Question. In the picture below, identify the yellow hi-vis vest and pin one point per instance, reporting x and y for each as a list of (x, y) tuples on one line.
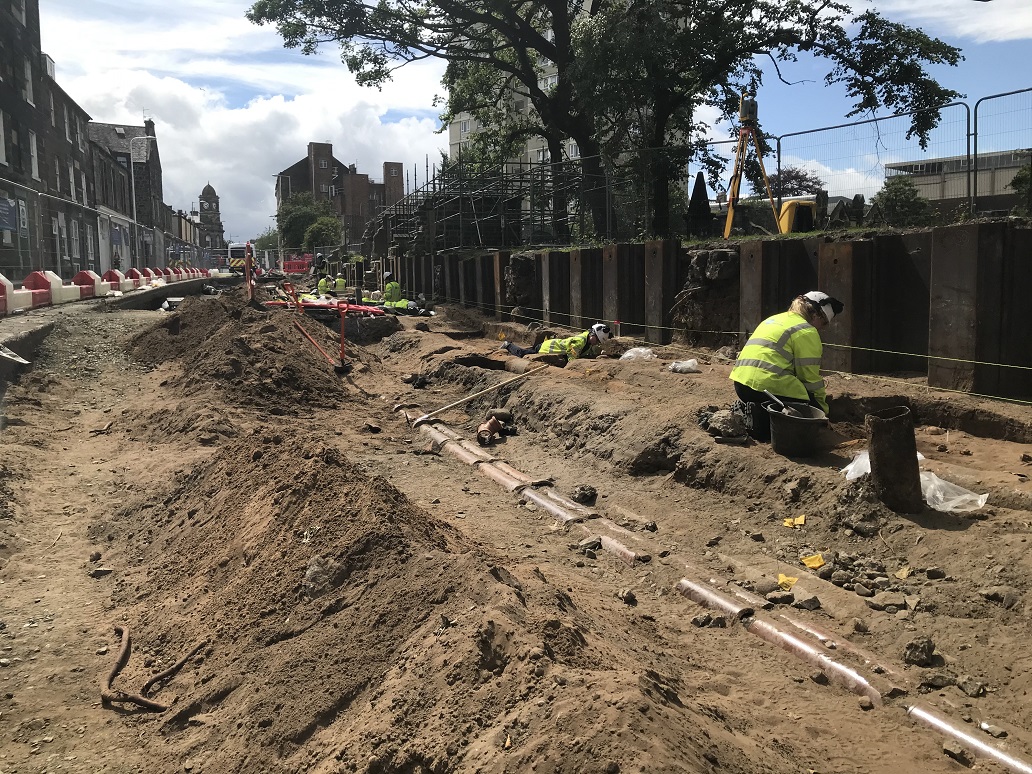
[(784, 356), (391, 292), (573, 347), (341, 285)]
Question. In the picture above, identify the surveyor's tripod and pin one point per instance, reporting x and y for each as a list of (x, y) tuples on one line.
[(748, 129)]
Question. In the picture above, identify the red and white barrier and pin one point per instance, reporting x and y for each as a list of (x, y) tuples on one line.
[(45, 288), (118, 281), (90, 285)]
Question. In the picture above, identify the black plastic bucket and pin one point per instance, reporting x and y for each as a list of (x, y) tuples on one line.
[(795, 436)]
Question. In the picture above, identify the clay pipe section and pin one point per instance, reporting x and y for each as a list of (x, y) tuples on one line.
[(934, 720)]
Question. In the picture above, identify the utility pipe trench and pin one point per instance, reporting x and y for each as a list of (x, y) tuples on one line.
[(777, 631)]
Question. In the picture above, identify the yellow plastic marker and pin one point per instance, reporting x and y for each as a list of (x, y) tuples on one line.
[(814, 562), (786, 583), (792, 523)]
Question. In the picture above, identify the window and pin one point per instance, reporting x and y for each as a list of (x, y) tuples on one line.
[(68, 125), (394, 171), (89, 242), (79, 135), (57, 177), (71, 180), (62, 229), (53, 111), (27, 91), (464, 126), (333, 191), (83, 187), (542, 155), (75, 239), (548, 82), (3, 141), (18, 7), (324, 188), (574, 150), (323, 164), (33, 156)]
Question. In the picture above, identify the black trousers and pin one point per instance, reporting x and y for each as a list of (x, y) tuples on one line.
[(518, 351), (760, 419)]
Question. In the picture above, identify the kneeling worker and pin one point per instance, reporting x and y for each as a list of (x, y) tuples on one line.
[(783, 356), (586, 344)]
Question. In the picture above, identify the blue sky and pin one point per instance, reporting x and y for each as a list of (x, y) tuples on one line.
[(233, 108)]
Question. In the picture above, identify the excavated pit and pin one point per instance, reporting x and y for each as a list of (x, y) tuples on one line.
[(371, 606)]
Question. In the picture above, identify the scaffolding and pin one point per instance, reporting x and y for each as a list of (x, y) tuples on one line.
[(474, 206)]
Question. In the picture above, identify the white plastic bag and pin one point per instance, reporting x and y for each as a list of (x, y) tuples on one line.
[(638, 353), (684, 367), (938, 494), (860, 466), (949, 498)]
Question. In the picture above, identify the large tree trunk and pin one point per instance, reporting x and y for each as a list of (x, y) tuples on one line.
[(596, 188), (560, 196), (659, 169)]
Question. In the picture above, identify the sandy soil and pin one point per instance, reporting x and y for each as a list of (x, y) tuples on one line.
[(353, 600)]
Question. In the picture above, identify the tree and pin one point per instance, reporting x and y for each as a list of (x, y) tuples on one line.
[(1022, 186), (296, 214), (324, 232), (627, 74), (267, 240), (792, 181), (902, 205)]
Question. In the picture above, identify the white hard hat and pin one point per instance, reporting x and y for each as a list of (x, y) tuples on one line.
[(828, 305), (387, 275), (601, 331)]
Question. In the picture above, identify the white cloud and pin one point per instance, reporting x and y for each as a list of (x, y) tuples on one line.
[(981, 22), (230, 105)]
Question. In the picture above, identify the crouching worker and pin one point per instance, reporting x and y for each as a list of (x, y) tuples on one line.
[(586, 344), (783, 357)]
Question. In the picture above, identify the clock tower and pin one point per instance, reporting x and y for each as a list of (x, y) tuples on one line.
[(211, 219)]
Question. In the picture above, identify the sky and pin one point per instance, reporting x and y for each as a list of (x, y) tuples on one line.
[(233, 107)]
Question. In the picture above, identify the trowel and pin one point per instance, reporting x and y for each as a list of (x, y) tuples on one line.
[(785, 408), (10, 354)]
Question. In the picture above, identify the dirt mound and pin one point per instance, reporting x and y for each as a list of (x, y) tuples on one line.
[(347, 630), (252, 356)]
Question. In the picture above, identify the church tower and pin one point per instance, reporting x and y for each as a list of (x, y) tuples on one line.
[(211, 220)]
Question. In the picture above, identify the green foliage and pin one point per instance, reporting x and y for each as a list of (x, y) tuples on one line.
[(627, 76), (793, 181), (1022, 186), (325, 231), (267, 240), (902, 205), (299, 212)]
